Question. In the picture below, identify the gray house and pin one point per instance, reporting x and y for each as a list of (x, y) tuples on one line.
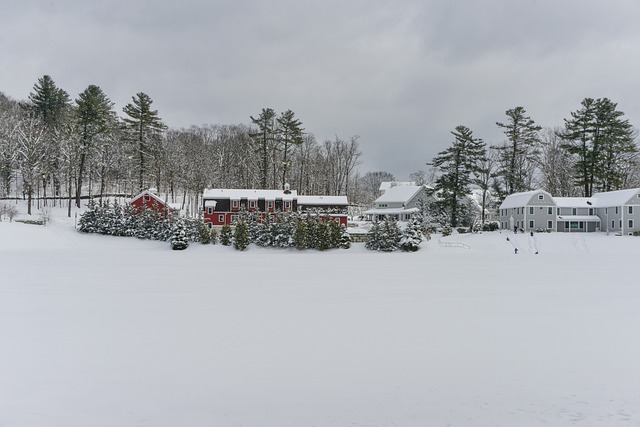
[(615, 211), (397, 202)]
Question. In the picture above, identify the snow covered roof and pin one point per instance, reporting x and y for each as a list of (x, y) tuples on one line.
[(617, 198), (249, 194), (587, 218), (519, 200), (153, 194), (389, 211), (323, 200), (385, 185), (399, 194), (575, 202)]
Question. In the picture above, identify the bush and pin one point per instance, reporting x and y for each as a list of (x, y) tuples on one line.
[(225, 235), (446, 230)]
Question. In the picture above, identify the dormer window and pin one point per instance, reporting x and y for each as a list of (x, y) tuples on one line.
[(252, 204), (146, 198), (540, 196), (270, 205), (287, 205), (235, 205)]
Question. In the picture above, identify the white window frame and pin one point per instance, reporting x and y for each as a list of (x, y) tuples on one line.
[(532, 224), (287, 205), (234, 219), (549, 224), (252, 204), (549, 210), (630, 223), (540, 196), (630, 210), (221, 218), (235, 204), (270, 204), (574, 211), (209, 210), (531, 212)]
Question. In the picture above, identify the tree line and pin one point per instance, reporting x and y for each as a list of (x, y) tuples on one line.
[(596, 150), (53, 147)]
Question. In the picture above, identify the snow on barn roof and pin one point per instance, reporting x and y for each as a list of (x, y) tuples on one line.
[(249, 194), (322, 200), (616, 198), (389, 211), (519, 200), (399, 194)]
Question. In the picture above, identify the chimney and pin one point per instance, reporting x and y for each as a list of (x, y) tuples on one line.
[(287, 189)]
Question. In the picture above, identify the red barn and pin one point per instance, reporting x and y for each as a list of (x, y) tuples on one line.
[(149, 199), (222, 206)]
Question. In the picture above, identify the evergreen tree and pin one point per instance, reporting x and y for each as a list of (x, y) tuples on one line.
[(458, 165), (178, 238), (518, 154), (265, 139), (226, 235), (48, 102), (390, 236), (334, 232), (447, 230), (411, 237), (241, 236), (374, 236), (214, 236), (603, 144), (96, 119), (345, 238), (289, 133), (300, 237), (205, 235), (146, 127)]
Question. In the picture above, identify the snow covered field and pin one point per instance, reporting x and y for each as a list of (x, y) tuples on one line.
[(103, 331)]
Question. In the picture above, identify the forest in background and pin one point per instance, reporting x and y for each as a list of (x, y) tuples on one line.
[(64, 151)]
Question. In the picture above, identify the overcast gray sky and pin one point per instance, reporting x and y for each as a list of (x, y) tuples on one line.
[(400, 74)]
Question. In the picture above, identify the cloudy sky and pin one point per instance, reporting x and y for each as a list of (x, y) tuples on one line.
[(401, 75)]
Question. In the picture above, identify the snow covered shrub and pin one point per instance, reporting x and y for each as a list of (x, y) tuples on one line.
[(374, 236), (214, 236), (205, 235), (179, 238), (345, 238), (300, 237), (89, 218), (241, 236), (225, 235), (446, 230), (334, 233), (411, 237), (390, 236)]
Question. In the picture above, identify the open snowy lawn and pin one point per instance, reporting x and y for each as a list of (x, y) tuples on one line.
[(104, 332)]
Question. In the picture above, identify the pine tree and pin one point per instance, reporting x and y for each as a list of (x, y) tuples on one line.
[(178, 238), (48, 102), (603, 143), (334, 232), (345, 238), (241, 236), (146, 127), (374, 236), (447, 230), (458, 164), (411, 237), (95, 118), (205, 235), (518, 154), (226, 235), (289, 133), (214, 236), (265, 139), (390, 236), (300, 237)]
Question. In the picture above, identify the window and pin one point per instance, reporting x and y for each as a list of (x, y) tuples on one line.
[(574, 211), (558, 211), (209, 225), (235, 204), (606, 211), (630, 210), (616, 210), (550, 211), (146, 198), (530, 210), (287, 204), (549, 224), (221, 218), (210, 210), (613, 224), (630, 223), (234, 219), (270, 204), (620, 223), (252, 204), (590, 211), (540, 196), (531, 225)]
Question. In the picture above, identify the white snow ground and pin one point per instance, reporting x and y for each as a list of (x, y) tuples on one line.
[(104, 331)]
